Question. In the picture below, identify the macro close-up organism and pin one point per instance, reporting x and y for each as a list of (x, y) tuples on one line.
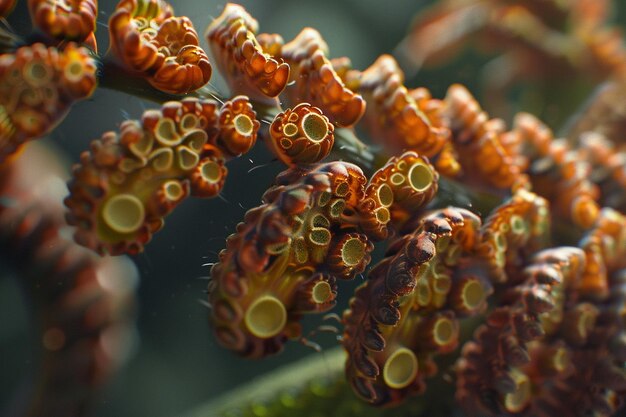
[(331, 208)]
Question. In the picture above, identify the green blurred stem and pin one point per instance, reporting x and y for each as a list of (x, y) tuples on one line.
[(316, 387), (264, 389)]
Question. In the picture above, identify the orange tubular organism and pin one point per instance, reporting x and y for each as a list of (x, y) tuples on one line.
[(514, 230), (408, 310), (74, 20), (605, 248), (488, 155), (316, 82), (285, 257), (240, 58), (38, 84), (238, 126), (302, 135), (129, 181), (494, 378), (558, 172), (397, 192), (149, 40), (392, 115), (463, 204)]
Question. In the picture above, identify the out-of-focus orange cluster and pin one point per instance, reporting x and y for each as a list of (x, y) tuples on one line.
[(539, 40), (84, 303), (6, 6), (38, 84), (62, 20), (532, 258)]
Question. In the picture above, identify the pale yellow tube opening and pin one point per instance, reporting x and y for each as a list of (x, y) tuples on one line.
[(420, 177), (123, 213), (400, 369), (243, 125), (314, 127), (266, 317), (517, 400)]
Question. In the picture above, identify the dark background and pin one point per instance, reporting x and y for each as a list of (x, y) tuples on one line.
[(176, 363)]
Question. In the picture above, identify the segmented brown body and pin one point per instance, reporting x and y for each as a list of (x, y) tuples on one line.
[(285, 257), (512, 232), (84, 304), (397, 193), (547, 347), (393, 116), (558, 172), (407, 310), (605, 248), (487, 154)]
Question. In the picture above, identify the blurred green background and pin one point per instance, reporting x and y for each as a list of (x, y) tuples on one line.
[(176, 363)]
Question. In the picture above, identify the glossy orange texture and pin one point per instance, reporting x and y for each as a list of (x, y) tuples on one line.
[(550, 341), (302, 135), (392, 116), (486, 153), (238, 126), (560, 173), (149, 40), (248, 69), (513, 231), (397, 193), (315, 81)]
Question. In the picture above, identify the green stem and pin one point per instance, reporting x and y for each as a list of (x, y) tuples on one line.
[(316, 386)]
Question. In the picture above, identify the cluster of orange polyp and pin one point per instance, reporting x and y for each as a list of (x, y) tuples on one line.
[(82, 304), (38, 84), (550, 39), (316, 225), (129, 181), (408, 309), (149, 40), (554, 344), (579, 180), (454, 133), (554, 328)]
